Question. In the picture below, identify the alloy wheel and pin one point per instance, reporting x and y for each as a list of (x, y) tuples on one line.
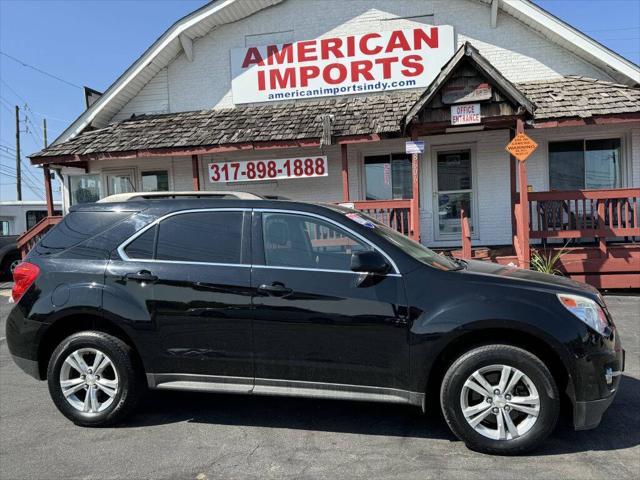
[(89, 380), (500, 402)]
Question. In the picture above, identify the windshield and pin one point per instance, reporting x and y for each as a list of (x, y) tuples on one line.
[(410, 247)]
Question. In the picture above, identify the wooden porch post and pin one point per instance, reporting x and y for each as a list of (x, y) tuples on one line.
[(47, 190), (345, 173), (415, 201), (524, 206), (196, 173), (514, 188)]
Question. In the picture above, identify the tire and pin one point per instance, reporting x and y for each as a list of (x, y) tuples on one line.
[(122, 367), (493, 430), (8, 264)]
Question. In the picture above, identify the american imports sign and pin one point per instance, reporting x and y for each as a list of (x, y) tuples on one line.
[(370, 62)]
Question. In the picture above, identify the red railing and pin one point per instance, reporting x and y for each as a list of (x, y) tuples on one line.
[(28, 239), (585, 214), (396, 214)]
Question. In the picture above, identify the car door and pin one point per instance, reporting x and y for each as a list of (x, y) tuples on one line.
[(196, 290), (317, 324)]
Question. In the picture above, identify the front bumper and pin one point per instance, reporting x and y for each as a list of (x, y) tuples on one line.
[(587, 414)]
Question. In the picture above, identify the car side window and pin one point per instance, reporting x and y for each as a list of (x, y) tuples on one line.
[(292, 240), (209, 237), (142, 247)]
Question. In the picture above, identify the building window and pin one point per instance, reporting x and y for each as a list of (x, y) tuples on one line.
[(155, 181), (585, 164), (84, 188), (34, 216), (388, 177), (4, 228)]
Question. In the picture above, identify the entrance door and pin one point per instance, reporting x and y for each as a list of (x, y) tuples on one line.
[(453, 191), (120, 182), (316, 323)]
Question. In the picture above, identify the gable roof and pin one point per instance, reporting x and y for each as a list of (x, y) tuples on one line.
[(382, 114), (160, 54), (219, 12), (563, 34), (468, 51)]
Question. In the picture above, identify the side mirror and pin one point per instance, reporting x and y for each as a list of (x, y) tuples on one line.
[(369, 262)]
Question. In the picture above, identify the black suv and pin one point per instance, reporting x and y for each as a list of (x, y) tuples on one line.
[(286, 298)]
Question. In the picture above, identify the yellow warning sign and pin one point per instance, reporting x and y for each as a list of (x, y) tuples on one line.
[(521, 147)]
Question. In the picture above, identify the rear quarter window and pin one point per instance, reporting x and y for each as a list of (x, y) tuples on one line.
[(76, 227)]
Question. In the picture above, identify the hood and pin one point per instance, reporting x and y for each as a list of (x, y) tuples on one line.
[(514, 275)]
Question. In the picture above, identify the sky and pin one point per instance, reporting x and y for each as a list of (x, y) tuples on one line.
[(73, 43)]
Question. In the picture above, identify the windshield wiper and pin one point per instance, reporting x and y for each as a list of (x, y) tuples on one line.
[(461, 264)]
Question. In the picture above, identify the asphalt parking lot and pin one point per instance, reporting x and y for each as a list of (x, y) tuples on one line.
[(205, 436)]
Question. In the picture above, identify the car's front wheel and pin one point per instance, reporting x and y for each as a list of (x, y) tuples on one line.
[(500, 399), (94, 379)]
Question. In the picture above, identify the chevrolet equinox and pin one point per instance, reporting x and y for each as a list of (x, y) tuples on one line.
[(274, 297)]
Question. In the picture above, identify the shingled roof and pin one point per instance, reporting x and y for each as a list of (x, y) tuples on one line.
[(580, 97), (567, 97), (374, 114)]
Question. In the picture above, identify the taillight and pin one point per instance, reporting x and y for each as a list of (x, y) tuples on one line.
[(24, 275)]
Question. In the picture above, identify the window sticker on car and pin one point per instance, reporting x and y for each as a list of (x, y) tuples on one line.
[(361, 220)]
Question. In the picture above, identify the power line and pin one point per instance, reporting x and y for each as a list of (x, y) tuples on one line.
[(613, 29), (25, 64), (20, 97)]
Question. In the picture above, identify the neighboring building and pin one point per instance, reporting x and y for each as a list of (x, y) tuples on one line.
[(344, 85), (16, 217)]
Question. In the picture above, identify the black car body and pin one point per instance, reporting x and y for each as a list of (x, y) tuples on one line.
[(224, 296)]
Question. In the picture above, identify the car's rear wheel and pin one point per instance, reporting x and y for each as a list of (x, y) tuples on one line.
[(94, 379), (500, 399)]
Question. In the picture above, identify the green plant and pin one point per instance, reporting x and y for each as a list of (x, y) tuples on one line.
[(546, 261)]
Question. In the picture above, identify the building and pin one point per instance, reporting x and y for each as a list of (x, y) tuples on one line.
[(16, 217), (317, 100)]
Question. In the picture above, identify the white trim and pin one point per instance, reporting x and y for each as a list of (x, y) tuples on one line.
[(588, 48), (153, 52)]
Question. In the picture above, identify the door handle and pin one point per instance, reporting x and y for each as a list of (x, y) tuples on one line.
[(276, 289), (141, 276)]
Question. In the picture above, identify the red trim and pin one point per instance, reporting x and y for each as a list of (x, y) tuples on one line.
[(595, 120), (186, 151), (195, 171), (415, 201), (345, 173), (47, 190)]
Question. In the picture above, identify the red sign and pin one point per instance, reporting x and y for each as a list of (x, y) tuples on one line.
[(278, 169)]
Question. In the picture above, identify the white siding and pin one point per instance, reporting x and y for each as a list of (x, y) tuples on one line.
[(153, 98)]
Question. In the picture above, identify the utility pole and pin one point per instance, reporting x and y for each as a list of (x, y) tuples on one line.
[(47, 174), (18, 170)]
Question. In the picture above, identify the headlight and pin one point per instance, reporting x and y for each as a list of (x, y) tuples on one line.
[(586, 310)]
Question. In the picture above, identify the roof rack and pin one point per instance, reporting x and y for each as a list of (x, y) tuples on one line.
[(133, 196)]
